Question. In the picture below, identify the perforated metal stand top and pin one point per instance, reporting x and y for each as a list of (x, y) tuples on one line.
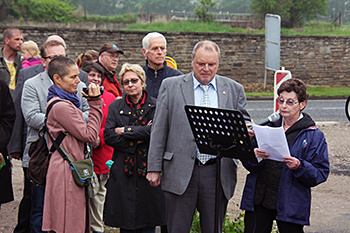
[(220, 130)]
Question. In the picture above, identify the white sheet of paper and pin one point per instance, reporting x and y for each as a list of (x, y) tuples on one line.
[(273, 141)]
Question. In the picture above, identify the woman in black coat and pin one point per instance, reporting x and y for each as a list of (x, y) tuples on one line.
[(7, 119), (132, 204)]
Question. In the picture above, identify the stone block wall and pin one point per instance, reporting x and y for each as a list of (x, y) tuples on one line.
[(318, 60)]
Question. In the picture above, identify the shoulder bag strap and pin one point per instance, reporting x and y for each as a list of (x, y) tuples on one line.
[(55, 143)]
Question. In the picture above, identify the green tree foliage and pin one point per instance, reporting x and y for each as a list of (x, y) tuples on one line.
[(292, 12), (41, 10), (203, 11)]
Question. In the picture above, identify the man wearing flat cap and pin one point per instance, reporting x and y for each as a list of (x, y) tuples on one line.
[(108, 59)]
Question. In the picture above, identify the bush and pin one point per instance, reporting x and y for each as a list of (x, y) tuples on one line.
[(44, 10), (235, 226)]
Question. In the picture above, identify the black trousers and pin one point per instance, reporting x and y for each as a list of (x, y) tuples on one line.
[(23, 224), (261, 220)]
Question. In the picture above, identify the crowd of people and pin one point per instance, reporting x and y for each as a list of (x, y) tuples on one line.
[(150, 171)]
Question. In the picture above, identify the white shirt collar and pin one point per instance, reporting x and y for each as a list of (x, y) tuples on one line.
[(196, 83)]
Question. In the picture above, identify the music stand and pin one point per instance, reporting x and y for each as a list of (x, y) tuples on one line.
[(223, 133)]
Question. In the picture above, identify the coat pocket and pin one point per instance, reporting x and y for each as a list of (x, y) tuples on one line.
[(168, 155)]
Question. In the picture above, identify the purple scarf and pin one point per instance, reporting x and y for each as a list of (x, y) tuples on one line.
[(55, 91)]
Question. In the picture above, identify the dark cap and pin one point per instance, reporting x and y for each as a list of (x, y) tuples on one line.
[(111, 48)]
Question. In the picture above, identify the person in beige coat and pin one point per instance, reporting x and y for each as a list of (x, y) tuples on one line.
[(65, 209)]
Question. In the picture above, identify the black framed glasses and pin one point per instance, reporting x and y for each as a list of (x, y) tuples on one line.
[(133, 81), (289, 102), (54, 56)]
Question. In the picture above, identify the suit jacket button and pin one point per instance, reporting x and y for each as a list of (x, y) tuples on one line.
[(131, 144), (192, 157)]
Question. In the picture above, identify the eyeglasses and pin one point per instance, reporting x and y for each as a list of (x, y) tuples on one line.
[(52, 57), (133, 81), (113, 56), (289, 102)]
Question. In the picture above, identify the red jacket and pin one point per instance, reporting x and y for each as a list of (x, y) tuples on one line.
[(113, 88), (103, 153)]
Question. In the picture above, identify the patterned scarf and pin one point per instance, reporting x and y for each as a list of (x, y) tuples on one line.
[(55, 91), (140, 155)]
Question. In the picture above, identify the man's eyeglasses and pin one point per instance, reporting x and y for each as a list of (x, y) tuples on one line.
[(52, 57), (133, 81), (113, 56), (289, 102)]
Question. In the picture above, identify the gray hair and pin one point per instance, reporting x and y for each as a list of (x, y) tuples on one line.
[(207, 45), (151, 35)]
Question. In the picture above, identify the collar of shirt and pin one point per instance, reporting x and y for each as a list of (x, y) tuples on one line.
[(212, 92), (212, 83)]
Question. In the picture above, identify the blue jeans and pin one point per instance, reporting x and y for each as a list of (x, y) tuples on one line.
[(142, 230), (36, 218)]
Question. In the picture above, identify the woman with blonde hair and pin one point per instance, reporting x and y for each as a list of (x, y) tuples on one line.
[(31, 54), (132, 204)]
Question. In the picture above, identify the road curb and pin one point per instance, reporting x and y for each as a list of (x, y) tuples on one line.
[(251, 98)]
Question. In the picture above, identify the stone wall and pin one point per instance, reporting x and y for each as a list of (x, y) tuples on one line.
[(318, 60)]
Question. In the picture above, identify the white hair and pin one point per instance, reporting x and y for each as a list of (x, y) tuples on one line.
[(151, 35)]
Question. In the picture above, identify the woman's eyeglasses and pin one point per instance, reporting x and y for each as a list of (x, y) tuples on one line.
[(289, 102), (133, 81)]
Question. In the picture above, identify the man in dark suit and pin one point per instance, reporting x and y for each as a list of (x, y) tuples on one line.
[(19, 135), (188, 178)]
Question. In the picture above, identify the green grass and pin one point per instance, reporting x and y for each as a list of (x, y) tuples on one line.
[(125, 18), (313, 91), (328, 91), (310, 28), (188, 26)]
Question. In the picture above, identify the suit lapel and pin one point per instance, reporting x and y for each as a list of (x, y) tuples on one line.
[(187, 89), (45, 79), (222, 92)]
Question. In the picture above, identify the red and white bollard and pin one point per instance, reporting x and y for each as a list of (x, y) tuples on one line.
[(280, 77)]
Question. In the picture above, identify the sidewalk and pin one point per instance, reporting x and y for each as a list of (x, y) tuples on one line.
[(330, 208)]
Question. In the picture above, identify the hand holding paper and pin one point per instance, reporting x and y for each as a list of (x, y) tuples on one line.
[(273, 141)]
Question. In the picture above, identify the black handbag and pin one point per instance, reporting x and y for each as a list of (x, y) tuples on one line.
[(40, 155)]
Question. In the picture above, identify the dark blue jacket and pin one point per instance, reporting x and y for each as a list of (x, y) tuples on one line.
[(154, 78), (294, 193)]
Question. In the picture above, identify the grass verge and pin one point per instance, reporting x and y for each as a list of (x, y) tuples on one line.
[(313, 91), (309, 28)]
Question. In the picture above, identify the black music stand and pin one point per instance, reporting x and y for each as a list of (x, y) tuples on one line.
[(223, 133)]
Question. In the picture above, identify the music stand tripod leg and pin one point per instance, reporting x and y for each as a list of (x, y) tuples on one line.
[(217, 193)]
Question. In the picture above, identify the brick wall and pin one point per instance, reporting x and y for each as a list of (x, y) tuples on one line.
[(318, 60)]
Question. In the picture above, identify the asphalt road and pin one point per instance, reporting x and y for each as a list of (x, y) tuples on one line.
[(322, 111)]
